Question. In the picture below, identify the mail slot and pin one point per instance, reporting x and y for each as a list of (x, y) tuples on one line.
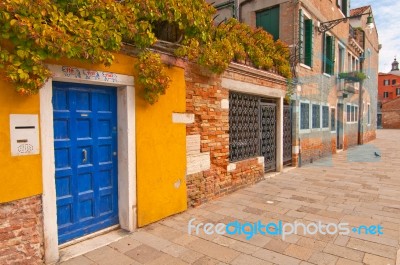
[(24, 133)]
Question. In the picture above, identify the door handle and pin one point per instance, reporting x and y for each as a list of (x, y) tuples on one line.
[(84, 152)]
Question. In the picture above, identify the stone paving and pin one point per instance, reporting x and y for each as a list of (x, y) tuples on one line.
[(353, 186)]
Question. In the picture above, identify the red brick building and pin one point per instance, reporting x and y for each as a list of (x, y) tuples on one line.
[(389, 84), (388, 90), (391, 114)]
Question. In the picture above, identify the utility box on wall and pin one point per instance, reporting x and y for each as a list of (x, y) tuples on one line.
[(24, 134)]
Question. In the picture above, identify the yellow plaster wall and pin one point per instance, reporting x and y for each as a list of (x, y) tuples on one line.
[(161, 153), (161, 145), (20, 176)]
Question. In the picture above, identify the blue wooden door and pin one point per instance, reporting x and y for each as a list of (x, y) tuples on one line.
[(85, 146)]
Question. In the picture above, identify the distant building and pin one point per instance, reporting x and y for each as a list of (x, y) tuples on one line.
[(388, 94), (326, 38)]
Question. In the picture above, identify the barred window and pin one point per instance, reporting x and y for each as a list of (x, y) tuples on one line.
[(244, 115), (325, 116), (352, 113), (333, 119), (304, 116), (316, 119)]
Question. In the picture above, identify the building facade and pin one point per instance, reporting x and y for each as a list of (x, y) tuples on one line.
[(388, 92), (73, 167), (88, 155), (329, 114)]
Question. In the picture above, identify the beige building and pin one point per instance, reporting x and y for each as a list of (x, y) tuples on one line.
[(326, 38)]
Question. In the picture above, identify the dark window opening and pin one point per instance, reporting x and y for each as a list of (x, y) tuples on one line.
[(269, 20)]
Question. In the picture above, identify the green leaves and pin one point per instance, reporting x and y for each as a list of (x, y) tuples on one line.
[(152, 76), (35, 30)]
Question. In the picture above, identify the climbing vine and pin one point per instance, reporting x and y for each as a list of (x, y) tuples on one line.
[(33, 31)]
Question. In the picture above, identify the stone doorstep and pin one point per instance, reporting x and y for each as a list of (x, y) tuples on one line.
[(274, 174), (103, 238)]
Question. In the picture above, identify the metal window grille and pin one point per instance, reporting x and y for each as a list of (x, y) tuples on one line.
[(325, 116), (305, 116), (244, 129), (316, 119), (333, 119), (352, 113)]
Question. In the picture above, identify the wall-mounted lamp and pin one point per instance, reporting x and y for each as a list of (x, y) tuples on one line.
[(370, 24), (325, 26)]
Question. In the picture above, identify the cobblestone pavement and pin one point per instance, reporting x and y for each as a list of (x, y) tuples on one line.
[(353, 186)]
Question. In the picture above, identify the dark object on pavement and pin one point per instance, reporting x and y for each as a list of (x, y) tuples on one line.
[(377, 155)]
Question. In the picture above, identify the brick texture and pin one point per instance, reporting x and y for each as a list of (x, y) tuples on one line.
[(391, 114), (204, 94), (21, 234)]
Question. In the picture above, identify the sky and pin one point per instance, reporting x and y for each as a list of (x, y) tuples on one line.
[(386, 13)]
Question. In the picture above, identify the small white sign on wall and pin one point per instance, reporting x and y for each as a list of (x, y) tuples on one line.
[(24, 134)]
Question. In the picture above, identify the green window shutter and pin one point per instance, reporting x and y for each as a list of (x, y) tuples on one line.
[(332, 55), (269, 21), (309, 39), (301, 35), (346, 7), (325, 53)]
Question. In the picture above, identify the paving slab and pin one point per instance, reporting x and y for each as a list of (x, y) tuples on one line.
[(345, 190)]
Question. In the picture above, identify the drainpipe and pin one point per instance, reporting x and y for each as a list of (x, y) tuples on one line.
[(360, 99), (229, 3)]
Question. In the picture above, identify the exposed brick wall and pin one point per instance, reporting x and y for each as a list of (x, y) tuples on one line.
[(314, 148), (391, 119), (21, 231), (204, 94), (369, 136)]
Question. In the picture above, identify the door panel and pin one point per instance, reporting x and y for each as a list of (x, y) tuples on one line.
[(268, 135), (85, 146)]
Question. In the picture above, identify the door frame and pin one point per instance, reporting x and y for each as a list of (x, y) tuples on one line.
[(127, 203)]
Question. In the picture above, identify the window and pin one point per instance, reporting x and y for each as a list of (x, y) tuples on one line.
[(385, 82), (329, 55), (398, 91), (316, 116), (333, 119), (348, 113), (304, 116), (269, 20), (352, 115), (385, 94), (355, 113), (306, 34), (325, 117), (393, 81), (344, 6)]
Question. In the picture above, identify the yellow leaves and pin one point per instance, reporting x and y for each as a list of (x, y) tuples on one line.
[(91, 29)]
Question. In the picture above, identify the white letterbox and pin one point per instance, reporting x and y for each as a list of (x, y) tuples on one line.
[(24, 132)]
